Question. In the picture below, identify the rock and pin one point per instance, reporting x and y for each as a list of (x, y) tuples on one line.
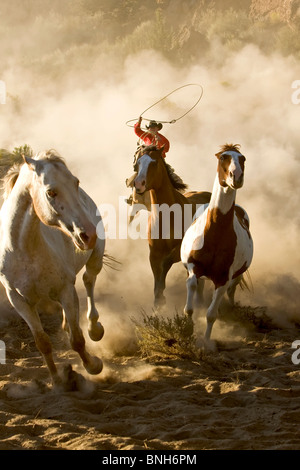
[(287, 10)]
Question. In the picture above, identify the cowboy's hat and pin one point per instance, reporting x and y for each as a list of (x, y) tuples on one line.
[(154, 124)]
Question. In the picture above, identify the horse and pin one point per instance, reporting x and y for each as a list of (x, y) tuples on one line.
[(47, 235), (167, 203), (218, 245)]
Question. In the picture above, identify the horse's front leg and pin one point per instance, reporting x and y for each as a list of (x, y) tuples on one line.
[(70, 304), (160, 270), (191, 286), (93, 267), (199, 300)]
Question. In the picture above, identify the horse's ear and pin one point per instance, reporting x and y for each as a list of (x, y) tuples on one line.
[(218, 154), (33, 164)]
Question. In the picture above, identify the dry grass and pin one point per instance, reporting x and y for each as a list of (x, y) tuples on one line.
[(174, 337), (166, 337)]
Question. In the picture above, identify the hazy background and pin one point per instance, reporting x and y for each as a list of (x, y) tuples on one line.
[(76, 71)]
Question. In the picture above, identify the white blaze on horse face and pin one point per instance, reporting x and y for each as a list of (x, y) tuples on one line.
[(140, 181), (235, 171)]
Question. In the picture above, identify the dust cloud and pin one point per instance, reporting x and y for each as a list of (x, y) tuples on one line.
[(246, 100)]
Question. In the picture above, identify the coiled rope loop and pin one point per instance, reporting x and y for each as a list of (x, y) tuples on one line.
[(165, 97)]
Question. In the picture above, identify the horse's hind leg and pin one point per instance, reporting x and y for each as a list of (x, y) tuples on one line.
[(93, 267), (212, 311), (70, 304), (232, 288), (42, 340)]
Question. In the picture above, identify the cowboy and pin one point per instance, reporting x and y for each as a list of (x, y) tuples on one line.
[(152, 135)]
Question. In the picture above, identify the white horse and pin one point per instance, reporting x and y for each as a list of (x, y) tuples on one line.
[(38, 263), (218, 245)]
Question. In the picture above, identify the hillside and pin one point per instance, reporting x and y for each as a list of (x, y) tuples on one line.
[(83, 36)]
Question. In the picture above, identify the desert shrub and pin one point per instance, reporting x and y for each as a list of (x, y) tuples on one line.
[(166, 337), (288, 41), (8, 159), (226, 26), (152, 34)]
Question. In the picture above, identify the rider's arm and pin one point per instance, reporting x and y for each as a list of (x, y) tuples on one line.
[(137, 129)]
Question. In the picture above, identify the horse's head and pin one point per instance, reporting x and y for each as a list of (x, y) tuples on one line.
[(56, 199), (231, 166), (147, 168)]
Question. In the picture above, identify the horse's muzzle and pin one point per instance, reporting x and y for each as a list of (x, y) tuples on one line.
[(140, 186), (86, 238), (238, 182)]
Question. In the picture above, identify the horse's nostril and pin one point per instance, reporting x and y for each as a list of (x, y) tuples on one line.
[(70, 228), (143, 183), (84, 237)]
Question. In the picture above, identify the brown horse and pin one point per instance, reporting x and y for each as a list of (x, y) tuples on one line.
[(171, 212)]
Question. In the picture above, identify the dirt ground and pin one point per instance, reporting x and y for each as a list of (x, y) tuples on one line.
[(244, 396)]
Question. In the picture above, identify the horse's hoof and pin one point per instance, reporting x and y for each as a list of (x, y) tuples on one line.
[(95, 366), (189, 328), (160, 302), (96, 331), (210, 346), (70, 381), (188, 311)]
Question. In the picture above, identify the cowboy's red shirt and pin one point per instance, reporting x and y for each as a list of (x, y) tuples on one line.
[(149, 139)]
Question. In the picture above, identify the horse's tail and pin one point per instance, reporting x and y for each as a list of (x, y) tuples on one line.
[(111, 262), (246, 283)]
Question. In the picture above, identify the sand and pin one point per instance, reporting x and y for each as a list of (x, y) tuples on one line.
[(246, 395)]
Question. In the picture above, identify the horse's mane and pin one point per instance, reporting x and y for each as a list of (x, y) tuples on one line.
[(10, 178), (229, 147), (175, 180), (51, 155)]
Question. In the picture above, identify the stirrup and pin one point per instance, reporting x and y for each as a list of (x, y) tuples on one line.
[(129, 200)]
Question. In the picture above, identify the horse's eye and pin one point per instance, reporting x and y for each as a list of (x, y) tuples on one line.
[(51, 193)]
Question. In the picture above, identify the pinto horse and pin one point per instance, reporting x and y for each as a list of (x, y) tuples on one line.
[(218, 245), (165, 187), (38, 263)]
